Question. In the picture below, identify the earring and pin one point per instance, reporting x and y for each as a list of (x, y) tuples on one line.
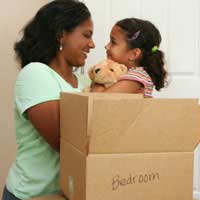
[(61, 47)]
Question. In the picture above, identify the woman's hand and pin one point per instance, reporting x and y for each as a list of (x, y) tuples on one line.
[(97, 87)]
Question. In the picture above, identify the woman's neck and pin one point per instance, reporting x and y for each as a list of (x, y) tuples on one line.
[(65, 71)]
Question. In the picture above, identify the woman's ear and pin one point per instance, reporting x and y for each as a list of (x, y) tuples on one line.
[(60, 37)]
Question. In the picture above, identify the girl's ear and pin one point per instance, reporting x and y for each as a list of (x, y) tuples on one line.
[(91, 73), (137, 53)]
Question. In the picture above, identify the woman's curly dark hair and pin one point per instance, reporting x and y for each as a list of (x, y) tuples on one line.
[(39, 42), (144, 35)]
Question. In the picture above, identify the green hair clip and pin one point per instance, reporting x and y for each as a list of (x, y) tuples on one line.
[(154, 48)]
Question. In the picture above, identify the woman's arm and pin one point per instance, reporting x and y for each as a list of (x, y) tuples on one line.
[(123, 86), (45, 117)]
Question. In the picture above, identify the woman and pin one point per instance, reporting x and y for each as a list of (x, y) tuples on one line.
[(58, 38)]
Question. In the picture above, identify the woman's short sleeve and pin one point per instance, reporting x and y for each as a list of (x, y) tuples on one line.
[(35, 84)]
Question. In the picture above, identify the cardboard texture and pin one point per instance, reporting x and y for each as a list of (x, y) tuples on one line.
[(120, 146)]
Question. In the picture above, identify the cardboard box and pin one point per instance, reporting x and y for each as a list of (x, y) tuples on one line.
[(121, 146)]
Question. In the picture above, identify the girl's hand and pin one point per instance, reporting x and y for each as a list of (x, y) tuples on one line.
[(97, 87), (123, 86)]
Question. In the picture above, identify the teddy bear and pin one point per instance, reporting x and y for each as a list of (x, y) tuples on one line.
[(106, 72)]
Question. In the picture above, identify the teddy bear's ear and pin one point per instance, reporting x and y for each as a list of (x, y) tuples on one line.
[(91, 73), (123, 68)]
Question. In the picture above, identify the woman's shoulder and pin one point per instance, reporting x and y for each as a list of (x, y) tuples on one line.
[(139, 71), (37, 75), (34, 69)]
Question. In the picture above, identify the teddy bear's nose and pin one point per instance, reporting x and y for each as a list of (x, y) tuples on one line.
[(97, 70)]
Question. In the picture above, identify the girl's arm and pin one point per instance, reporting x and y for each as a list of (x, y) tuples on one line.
[(45, 118), (123, 86)]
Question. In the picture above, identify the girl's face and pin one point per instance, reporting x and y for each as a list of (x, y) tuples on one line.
[(117, 49), (77, 44)]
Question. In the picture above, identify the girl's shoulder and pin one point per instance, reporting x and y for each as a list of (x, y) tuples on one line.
[(140, 71)]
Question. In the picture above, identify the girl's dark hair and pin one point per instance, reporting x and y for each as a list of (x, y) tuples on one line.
[(39, 42), (144, 35)]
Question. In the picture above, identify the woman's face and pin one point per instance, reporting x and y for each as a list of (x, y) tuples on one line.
[(77, 44)]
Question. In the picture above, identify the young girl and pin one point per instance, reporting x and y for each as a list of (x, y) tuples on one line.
[(135, 43)]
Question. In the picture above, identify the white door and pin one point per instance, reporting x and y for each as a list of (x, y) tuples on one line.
[(179, 24)]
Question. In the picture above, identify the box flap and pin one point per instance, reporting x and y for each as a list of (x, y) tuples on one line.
[(72, 171), (73, 120), (123, 123), (144, 125), (75, 115)]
